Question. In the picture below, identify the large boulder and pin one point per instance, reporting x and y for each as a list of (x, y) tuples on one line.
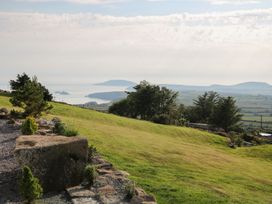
[(57, 161)]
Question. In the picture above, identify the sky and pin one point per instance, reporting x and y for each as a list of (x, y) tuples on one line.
[(197, 42)]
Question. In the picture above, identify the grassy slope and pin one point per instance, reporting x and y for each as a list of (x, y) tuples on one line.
[(177, 165)]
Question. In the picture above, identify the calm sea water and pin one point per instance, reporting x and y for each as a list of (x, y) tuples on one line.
[(77, 92)]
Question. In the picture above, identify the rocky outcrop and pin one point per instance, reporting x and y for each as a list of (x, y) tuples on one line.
[(57, 161), (110, 187)]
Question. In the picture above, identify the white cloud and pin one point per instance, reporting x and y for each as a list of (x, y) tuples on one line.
[(234, 2), (217, 2), (79, 1), (193, 48)]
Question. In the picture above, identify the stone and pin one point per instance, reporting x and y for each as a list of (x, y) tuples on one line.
[(44, 124), (84, 201), (57, 161), (106, 166), (122, 173), (104, 171), (110, 187), (141, 197), (106, 190), (79, 192), (4, 113)]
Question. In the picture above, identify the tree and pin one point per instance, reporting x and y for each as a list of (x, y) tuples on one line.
[(29, 94), (191, 114), (29, 186), (226, 114), (147, 102), (23, 79), (204, 106), (122, 108)]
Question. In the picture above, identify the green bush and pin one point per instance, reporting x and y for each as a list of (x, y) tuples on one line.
[(90, 174), (61, 129), (70, 132), (161, 119), (92, 152), (29, 127), (16, 114), (130, 190), (29, 186)]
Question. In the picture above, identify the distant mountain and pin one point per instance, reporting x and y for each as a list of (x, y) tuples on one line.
[(62, 93), (250, 88), (124, 83), (109, 96)]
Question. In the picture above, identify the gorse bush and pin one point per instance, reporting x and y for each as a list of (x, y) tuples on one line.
[(29, 186), (29, 126), (90, 174)]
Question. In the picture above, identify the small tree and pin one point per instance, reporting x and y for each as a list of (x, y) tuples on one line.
[(29, 186), (29, 94), (24, 79), (226, 114), (29, 127)]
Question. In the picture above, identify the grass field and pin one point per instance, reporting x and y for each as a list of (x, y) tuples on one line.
[(176, 164)]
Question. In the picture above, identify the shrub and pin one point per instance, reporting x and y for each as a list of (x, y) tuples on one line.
[(235, 139), (130, 190), (92, 151), (29, 186), (61, 129), (29, 127), (90, 174), (70, 132), (16, 114), (161, 119)]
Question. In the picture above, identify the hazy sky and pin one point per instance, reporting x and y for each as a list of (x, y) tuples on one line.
[(163, 41)]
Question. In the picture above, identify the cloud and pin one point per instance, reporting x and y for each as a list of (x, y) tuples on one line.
[(78, 1), (216, 2), (234, 2), (193, 48)]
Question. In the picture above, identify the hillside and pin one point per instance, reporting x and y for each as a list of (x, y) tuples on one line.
[(176, 164), (110, 96), (124, 83), (250, 88)]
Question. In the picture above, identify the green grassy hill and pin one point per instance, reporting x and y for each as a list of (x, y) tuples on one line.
[(176, 164)]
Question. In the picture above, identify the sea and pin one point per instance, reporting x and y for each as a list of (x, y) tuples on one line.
[(77, 93)]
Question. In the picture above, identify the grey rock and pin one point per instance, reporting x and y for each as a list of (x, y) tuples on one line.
[(57, 161)]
